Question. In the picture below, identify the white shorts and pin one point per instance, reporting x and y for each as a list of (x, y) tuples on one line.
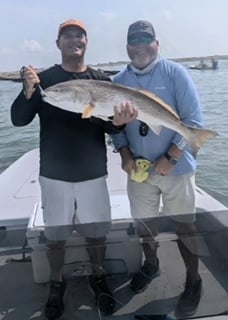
[(83, 205), (176, 192)]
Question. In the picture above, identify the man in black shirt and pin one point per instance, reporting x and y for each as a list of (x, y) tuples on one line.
[(73, 165)]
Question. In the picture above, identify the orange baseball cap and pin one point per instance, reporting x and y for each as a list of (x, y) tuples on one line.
[(71, 22)]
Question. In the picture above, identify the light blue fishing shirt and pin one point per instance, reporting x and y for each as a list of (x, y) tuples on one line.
[(172, 83)]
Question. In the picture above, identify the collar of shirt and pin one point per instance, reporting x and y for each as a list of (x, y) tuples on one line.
[(145, 70)]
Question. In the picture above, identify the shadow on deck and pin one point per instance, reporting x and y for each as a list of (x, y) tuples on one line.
[(22, 298)]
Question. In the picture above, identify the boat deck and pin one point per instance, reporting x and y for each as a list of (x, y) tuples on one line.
[(22, 298)]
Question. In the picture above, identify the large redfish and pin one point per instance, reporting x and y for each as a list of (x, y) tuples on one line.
[(97, 98)]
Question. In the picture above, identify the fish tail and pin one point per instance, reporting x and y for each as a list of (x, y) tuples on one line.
[(198, 137)]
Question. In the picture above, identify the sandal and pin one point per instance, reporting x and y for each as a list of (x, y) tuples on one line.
[(144, 276), (54, 307), (104, 297)]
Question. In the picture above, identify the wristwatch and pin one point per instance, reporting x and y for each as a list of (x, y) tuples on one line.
[(171, 159)]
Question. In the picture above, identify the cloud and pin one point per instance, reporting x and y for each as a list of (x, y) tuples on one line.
[(32, 45)]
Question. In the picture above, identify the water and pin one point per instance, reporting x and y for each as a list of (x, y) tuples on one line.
[(212, 174)]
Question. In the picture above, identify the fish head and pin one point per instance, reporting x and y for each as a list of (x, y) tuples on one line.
[(67, 96)]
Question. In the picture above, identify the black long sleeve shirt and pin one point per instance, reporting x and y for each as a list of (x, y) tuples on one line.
[(71, 148)]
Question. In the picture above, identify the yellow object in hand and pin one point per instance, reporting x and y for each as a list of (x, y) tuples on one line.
[(142, 170)]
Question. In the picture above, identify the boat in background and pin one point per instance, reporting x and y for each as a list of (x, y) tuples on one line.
[(205, 66)]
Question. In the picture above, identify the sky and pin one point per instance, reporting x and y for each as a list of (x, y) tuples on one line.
[(184, 28)]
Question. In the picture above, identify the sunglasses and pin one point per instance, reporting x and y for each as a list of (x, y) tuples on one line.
[(137, 40)]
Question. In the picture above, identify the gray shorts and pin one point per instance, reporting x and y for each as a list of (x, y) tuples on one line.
[(81, 206), (174, 195)]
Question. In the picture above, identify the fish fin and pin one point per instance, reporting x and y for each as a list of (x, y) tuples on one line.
[(198, 137), (88, 111), (153, 126), (155, 129), (160, 101)]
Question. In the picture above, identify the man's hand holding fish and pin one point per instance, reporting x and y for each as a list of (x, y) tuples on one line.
[(124, 113)]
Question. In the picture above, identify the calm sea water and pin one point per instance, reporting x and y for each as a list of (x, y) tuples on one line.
[(212, 174)]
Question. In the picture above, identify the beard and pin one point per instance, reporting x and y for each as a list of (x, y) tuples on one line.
[(141, 62), (141, 58)]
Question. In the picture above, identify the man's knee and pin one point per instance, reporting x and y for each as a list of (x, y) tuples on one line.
[(146, 228), (95, 241), (96, 230), (58, 233), (57, 245), (185, 228)]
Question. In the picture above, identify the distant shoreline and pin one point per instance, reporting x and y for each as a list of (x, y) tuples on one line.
[(188, 59), (15, 76)]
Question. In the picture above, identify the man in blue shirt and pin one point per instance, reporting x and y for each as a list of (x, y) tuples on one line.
[(171, 169)]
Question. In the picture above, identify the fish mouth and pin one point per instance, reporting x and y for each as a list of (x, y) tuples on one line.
[(42, 92), (88, 112)]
